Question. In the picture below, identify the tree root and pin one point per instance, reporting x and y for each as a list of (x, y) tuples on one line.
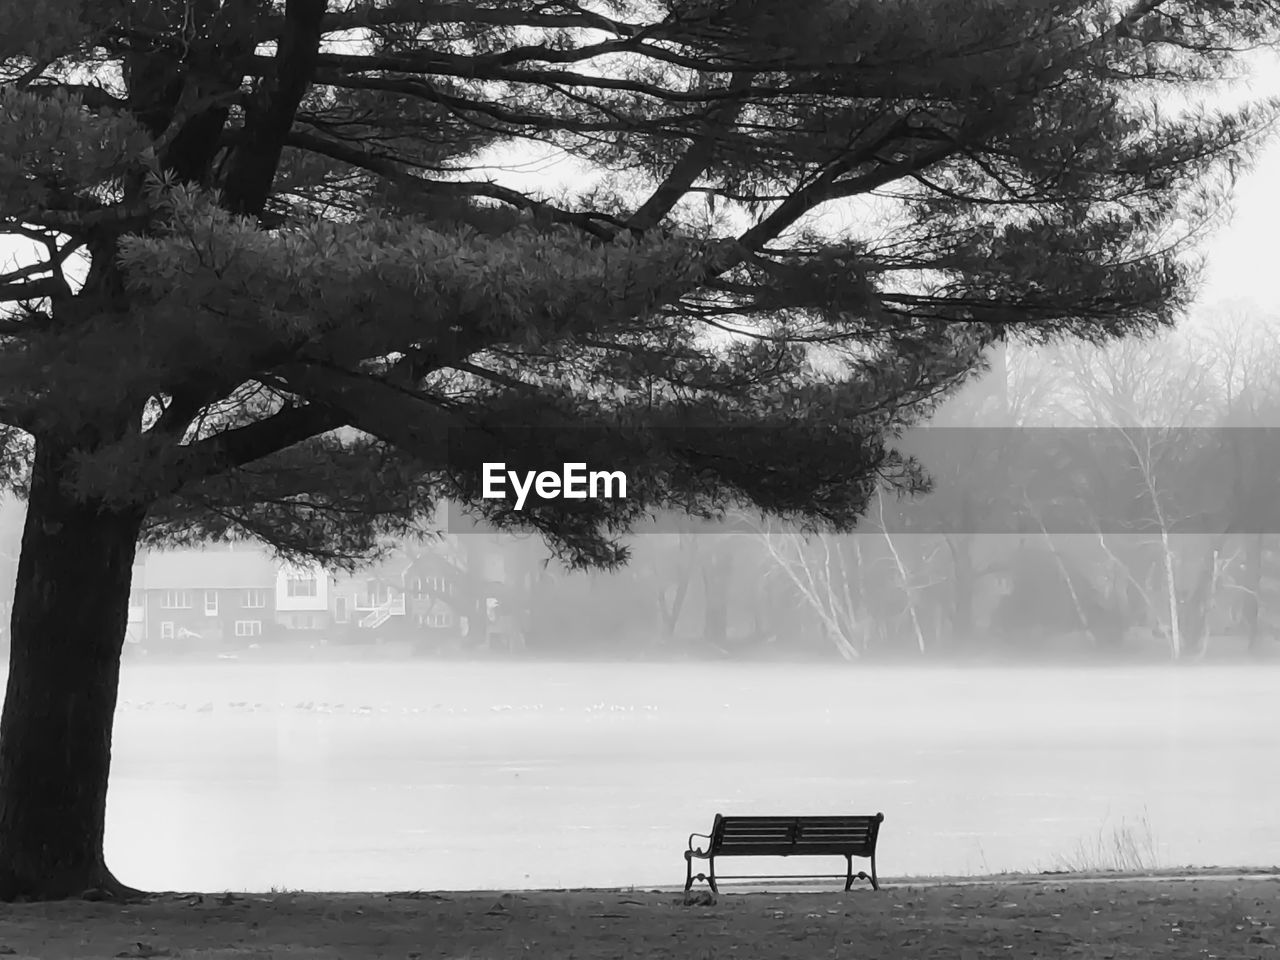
[(101, 888)]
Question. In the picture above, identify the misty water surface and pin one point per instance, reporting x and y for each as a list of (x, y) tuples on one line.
[(455, 776)]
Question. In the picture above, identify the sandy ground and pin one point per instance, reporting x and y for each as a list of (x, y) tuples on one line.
[(1196, 917)]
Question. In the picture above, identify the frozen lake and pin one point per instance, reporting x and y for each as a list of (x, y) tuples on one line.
[(455, 776)]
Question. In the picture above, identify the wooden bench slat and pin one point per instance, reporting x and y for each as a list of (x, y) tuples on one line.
[(788, 850), (730, 849), (773, 832), (746, 822)]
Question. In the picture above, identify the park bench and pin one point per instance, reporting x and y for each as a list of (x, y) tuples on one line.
[(846, 837)]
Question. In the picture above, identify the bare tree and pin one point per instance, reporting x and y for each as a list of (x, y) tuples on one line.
[(1145, 401)]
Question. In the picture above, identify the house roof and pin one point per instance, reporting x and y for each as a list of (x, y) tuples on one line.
[(210, 569)]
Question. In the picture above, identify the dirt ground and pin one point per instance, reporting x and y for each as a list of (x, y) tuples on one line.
[(1198, 917)]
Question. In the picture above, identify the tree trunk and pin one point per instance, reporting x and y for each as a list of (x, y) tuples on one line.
[(476, 585), (1171, 586), (904, 576), (1195, 608), (671, 613), (837, 620), (70, 611), (964, 586), (1253, 581), (716, 574)]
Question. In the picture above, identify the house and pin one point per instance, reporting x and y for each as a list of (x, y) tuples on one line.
[(451, 581), (370, 603), (233, 594), (221, 595), (437, 603), (413, 595), (302, 598)]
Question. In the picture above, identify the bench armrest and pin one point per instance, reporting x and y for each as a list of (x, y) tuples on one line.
[(692, 848)]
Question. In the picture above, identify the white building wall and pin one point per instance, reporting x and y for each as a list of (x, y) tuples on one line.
[(320, 601)]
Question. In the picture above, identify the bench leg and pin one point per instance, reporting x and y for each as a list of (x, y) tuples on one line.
[(860, 875), (709, 876)]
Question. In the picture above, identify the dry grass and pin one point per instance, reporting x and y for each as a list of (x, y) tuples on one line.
[(1127, 847)]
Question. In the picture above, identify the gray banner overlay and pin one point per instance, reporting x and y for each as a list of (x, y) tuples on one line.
[(1210, 480)]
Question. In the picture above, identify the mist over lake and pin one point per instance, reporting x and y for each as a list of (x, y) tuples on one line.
[(451, 775)]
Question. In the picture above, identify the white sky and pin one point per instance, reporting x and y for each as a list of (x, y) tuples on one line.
[(1242, 256)]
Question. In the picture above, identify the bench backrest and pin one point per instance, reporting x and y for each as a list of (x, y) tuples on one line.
[(773, 836)]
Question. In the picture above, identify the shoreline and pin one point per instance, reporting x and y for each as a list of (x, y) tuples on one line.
[(801, 884)]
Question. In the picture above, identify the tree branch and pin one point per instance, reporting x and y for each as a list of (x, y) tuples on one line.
[(493, 376), (418, 12), (253, 165), (91, 95), (829, 186), (473, 69), (597, 224), (118, 218), (460, 106), (32, 289), (390, 412), (242, 445), (696, 159)]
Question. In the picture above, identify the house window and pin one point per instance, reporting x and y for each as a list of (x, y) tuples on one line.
[(431, 587), (248, 628), (211, 603), (255, 598), (176, 600), (166, 630), (302, 585), (439, 618), (340, 613)]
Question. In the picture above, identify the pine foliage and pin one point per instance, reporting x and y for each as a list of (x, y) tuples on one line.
[(271, 284)]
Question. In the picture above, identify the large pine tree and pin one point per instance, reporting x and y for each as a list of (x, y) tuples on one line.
[(267, 287)]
